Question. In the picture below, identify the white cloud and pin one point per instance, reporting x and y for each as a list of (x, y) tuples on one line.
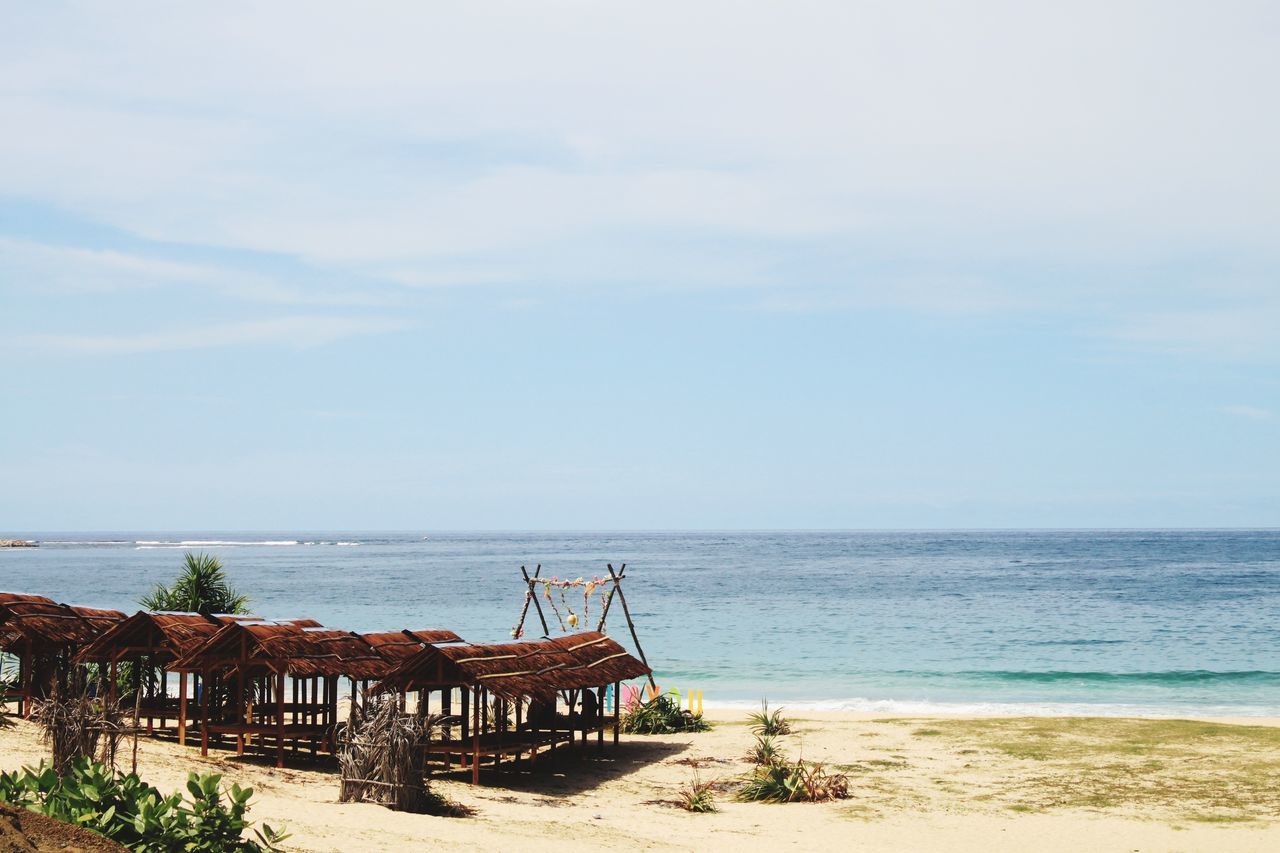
[(38, 266), (667, 143), (297, 131), (295, 332), (1251, 412), (1238, 332)]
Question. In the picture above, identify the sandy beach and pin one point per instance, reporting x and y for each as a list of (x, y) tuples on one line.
[(961, 784)]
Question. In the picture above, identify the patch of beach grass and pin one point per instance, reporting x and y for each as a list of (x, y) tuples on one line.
[(1192, 770)]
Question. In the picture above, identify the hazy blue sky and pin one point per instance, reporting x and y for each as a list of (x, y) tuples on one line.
[(577, 265)]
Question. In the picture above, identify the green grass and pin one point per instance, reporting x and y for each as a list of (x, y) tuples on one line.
[(1197, 771), (662, 716), (769, 723), (699, 797)]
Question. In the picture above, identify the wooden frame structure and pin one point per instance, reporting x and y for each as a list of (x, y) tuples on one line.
[(43, 634), (153, 642), (538, 674), (615, 578), (275, 684)]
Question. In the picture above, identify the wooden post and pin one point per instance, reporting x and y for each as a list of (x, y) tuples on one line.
[(239, 709), (608, 601), (546, 631), (617, 704), (626, 611), (24, 666), (280, 718), (182, 709), (204, 712), (598, 722), (500, 712), (475, 738)]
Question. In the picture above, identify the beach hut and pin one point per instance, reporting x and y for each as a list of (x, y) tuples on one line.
[(152, 642), (398, 646), (561, 681), (43, 635), (274, 683)]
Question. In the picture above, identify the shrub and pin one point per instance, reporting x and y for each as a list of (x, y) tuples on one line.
[(662, 716), (129, 811), (785, 782), (698, 797), (765, 751), (202, 587), (769, 723)]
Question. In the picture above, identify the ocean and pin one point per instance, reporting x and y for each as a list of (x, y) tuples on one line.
[(1161, 622)]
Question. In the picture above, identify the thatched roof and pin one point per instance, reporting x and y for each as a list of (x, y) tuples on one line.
[(286, 647), (43, 622), (166, 636), (528, 668), (398, 645)]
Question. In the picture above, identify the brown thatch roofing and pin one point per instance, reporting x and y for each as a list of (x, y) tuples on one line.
[(529, 668), (164, 636), (286, 647), (398, 645), (12, 597), (43, 622)]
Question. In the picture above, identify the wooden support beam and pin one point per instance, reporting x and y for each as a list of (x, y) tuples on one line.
[(617, 705), (280, 718), (475, 743), (626, 611), (542, 617), (204, 713), (182, 709), (598, 722)]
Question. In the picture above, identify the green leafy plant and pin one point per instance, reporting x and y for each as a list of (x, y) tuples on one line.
[(129, 811), (765, 751), (785, 782), (698, 797), (202, 587), (768, 722), (662, 715), (8, 680)]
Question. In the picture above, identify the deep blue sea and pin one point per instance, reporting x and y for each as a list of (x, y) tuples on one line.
[(1109, 622)]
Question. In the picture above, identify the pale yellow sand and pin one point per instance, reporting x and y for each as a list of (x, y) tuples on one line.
[(917, 784)]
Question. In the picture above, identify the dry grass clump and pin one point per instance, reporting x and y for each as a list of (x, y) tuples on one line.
[(698, 797), (80, 727), (788, 782)]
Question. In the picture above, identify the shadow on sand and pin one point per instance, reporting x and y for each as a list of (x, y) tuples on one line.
[(570, 770), (567, 770)]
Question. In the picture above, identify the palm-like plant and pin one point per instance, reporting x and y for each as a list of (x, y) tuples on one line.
[(201, 588)]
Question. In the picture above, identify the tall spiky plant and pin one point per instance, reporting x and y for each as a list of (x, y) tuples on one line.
[(202, 587)]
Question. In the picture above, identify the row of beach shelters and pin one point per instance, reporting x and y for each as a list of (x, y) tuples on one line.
[(42, 634), (274, 686), (510, 692)]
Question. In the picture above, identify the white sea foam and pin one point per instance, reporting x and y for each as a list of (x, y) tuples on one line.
[(85, 542), (1000, 709), (186, 543)]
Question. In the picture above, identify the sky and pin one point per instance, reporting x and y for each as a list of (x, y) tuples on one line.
[(574, 265)]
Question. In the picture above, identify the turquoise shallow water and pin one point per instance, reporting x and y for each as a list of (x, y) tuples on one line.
[(1166, 622)]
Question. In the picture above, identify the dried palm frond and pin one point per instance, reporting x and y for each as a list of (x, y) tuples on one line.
[(79, 726), (382, 758)]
